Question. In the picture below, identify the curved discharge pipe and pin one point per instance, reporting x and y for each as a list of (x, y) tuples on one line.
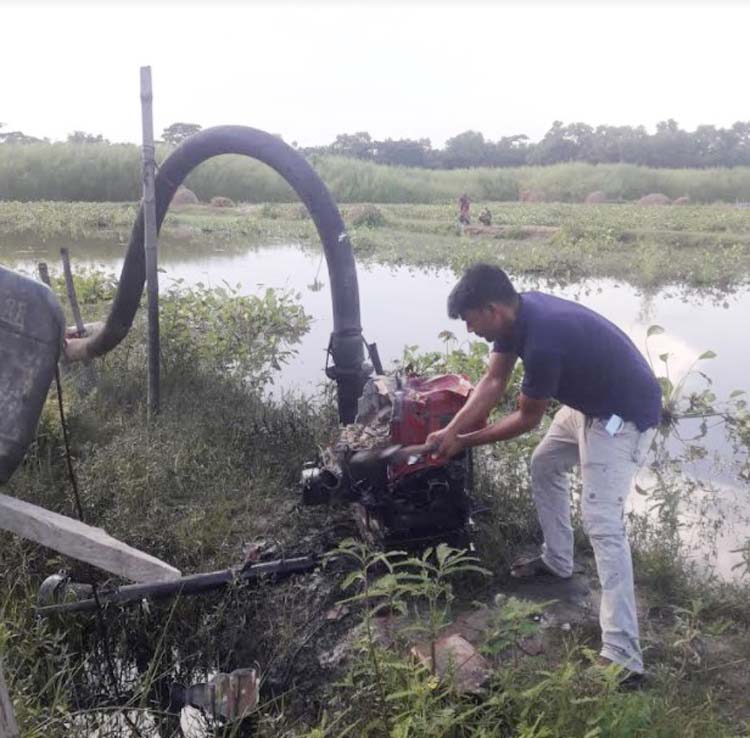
[(346, 346)]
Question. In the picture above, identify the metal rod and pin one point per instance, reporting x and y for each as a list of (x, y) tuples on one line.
[(70, 286), (149, 239), (377, 364), (88, 379), (193, 584)]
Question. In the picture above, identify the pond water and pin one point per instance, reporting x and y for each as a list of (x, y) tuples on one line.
[(405, 306)]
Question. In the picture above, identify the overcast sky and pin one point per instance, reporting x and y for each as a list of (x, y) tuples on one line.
[(313, 70)]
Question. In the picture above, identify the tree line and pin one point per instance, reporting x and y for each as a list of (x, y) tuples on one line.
[(668, 147), (173, 134)]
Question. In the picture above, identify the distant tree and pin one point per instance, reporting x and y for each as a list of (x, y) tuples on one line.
[(739, 135), (178, 132), (669, 146), (609, 144), (511, 151), (467, 149), (710, 147), (359, 145), (405, 152), (563, 143), (18, 137), (81, 137)]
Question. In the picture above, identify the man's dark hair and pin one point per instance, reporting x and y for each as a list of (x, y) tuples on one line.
[(480, 285)]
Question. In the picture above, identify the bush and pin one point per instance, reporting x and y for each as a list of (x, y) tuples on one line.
[(222, 202), (219, 330), (368, 216), (269, 211)]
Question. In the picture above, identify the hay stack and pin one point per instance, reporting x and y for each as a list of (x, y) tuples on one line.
[(596, 198), (184, 196), (655, 198)]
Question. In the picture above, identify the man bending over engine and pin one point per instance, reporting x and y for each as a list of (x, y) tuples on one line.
[(609, 398)]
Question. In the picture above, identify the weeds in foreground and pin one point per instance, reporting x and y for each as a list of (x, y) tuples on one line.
[(513, 622), (406, 580), (386, 693)]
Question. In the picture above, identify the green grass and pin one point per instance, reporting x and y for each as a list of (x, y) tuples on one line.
[(103, 172)]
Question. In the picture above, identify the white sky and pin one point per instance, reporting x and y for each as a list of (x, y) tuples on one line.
[(310, 71)]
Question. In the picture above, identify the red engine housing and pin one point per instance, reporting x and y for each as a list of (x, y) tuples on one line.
[(422, 406)]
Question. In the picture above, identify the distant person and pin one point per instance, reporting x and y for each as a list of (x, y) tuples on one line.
[(463, 209), (485, 217)]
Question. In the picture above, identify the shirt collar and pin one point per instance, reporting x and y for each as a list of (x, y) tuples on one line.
[(519, 326)]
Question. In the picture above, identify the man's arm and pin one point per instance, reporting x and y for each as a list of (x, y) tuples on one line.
[(485, 396), (528, 415), (541, 379)]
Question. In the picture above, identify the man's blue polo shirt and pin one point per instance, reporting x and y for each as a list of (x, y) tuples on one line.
[(578, 357)]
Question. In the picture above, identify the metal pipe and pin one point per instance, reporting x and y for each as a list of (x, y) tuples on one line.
[(347, 346), (193, 584), (71, 289)]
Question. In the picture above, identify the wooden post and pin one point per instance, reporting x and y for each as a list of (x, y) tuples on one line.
[(8, 725), (149, 240), (80, 541)]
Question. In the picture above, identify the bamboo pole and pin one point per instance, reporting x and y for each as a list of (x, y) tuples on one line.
[(150, 239)]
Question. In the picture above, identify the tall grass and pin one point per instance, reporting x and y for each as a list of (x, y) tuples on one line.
[(105, 172)]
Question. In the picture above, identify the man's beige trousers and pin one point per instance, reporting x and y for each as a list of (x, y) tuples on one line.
[(608, 465)]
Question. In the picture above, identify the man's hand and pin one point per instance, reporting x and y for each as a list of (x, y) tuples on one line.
[(446, 442), (453, 447), (453, 439)]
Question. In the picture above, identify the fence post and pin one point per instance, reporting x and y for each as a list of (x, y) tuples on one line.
[(149, 240)]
